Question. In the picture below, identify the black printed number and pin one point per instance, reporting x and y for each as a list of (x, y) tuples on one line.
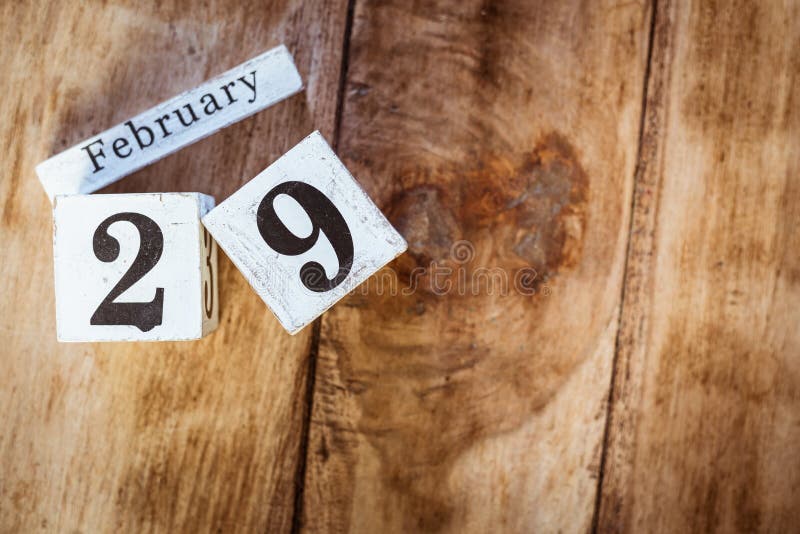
[(324, 217), (143, 315), (208, 285)]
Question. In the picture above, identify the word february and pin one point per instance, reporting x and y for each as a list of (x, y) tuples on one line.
[(172, 125), (168, 123)]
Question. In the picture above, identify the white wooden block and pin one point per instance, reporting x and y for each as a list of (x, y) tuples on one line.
[(304, 233), (172, 125), (134, 267)]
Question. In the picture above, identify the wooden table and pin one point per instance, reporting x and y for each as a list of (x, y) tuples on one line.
[(639, 162)]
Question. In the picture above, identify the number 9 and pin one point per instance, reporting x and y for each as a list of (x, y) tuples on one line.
[(324, 216)]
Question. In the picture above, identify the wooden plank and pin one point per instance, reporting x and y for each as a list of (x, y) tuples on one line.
[(706, 405), (194, 436), (495, 135)]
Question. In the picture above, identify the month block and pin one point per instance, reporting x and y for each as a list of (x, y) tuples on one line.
[(136, 267), (180, 121), (304, 233)]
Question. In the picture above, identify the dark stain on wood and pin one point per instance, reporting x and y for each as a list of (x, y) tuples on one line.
[(527, 214), (546, 200), (428, 225), (453, 123)]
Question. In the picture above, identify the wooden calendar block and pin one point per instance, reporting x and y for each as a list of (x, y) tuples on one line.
[(170, 126), (304, 233), (135, 267)]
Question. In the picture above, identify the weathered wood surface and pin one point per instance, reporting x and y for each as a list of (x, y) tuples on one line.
[(159, 437), (705, 421), (517, 126), (515, 129)]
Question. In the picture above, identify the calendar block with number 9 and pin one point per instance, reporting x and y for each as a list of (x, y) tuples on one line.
[(136, 267), (304, 233)]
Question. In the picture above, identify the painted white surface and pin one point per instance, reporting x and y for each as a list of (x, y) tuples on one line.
[(273, 76), (274, 276), (82, 281)]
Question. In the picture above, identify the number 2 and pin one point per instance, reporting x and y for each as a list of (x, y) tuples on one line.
[(143, 315), (324, 216)]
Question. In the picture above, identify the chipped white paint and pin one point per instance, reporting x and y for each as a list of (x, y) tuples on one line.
[(185, 269), (275, 276), (170, 126)]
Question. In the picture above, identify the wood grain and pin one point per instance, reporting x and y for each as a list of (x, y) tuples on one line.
[(705, 423), (494, 136), (504, 135), (197, 437)]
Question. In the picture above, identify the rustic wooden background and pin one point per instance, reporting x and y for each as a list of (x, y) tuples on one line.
[(643, 157)]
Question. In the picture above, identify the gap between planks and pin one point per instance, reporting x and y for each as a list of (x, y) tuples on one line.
[(313, 350), (315, 337), (637, 174)]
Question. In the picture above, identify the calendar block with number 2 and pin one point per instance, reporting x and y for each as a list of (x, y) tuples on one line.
[(134, 267), (304, 233)]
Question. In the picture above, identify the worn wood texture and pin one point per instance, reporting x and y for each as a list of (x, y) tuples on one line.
[(501, 136), (194, 436), (705, 422), (512, 125)]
